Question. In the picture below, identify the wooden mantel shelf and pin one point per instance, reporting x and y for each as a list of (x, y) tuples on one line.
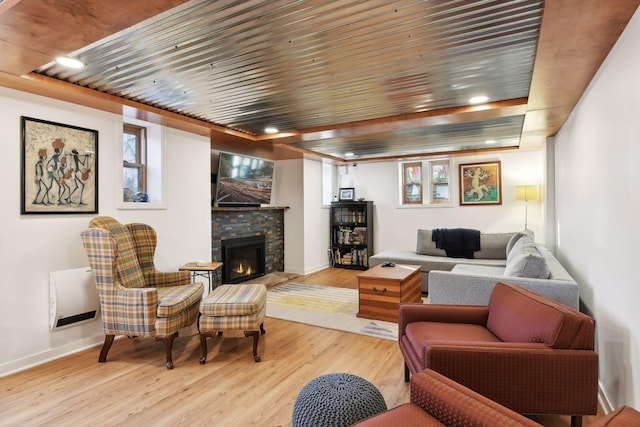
[(248, 208)]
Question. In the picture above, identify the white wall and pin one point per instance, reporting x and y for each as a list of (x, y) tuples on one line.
[(298, 185), (597, 176), (288, 178), (31, 246), (395, 227), (316, 220)]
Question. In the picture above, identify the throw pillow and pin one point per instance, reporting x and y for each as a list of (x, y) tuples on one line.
[(528, 263), (515, 238), (524, 243)]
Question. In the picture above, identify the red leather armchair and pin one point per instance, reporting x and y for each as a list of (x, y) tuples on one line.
[(438, 401), (524, 351)]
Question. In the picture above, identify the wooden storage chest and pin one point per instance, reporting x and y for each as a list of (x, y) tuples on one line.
[(382, 289)]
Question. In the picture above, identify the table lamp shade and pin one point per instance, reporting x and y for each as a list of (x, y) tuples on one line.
[(527, 192)]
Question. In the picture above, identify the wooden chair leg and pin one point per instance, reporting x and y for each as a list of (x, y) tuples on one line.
[(256, 338), (108, 340), (203, 344), (262, 331), (576, 421), (168, 345)]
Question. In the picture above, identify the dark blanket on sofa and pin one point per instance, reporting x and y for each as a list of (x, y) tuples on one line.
[(457, 242)]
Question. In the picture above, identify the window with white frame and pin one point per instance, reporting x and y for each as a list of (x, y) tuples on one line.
[(134, 154), (425, 182), (142, 175)]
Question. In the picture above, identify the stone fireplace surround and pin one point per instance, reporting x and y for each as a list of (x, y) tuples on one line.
[(233, 222)]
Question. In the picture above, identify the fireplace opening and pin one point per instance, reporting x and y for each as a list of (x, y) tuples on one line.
[(243, 258)]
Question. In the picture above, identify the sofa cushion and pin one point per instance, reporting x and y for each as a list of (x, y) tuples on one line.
[(176, 300), (421, 333), (426, 246), (528, 264), (429, 262), (520, 245), (514, 238), (525, 260), (493, 245), (519, 315), (234, 300)]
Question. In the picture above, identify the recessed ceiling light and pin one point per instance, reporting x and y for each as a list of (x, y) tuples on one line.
[(271, 129), (349, 154), (65, 61), (481, 99), (490, 141)]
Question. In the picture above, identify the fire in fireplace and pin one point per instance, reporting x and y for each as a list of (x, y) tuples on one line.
[(243, 258)]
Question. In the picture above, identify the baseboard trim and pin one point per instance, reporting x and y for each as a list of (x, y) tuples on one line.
[(19, 365), (308, 270), (603, 400)]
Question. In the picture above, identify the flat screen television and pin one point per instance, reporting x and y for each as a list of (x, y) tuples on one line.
[(243, 180)]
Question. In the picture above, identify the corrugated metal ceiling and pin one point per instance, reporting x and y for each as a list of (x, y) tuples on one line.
[(303, 65)]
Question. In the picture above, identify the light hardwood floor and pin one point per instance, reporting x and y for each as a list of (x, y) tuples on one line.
[(134, 389)]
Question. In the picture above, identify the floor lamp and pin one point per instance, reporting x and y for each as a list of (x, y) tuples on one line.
[(527, 193)]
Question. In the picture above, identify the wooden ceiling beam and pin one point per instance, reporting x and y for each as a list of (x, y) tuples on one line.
[(35, 32), (575, 38), (512, 107)]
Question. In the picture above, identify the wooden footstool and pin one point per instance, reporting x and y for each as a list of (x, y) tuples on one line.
[(233, 308)]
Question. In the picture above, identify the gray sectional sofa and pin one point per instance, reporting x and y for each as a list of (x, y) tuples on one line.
[(503, 257)]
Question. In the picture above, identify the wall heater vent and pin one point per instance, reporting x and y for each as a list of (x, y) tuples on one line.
[(73, 298)]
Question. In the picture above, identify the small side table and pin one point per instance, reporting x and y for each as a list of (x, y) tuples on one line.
[(204, 269), (382, 289)]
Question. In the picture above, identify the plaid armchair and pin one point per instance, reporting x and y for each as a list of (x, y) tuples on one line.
[(135, 298)]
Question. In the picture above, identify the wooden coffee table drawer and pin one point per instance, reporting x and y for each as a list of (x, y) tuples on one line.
[(382, 289)]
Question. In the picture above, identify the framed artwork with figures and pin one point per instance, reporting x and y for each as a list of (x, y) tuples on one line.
[(59, 168), (480, 184)]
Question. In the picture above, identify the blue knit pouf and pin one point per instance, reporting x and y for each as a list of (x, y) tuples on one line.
[(336, 400)]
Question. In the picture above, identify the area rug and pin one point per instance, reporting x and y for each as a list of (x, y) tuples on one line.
[(326, 307)]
